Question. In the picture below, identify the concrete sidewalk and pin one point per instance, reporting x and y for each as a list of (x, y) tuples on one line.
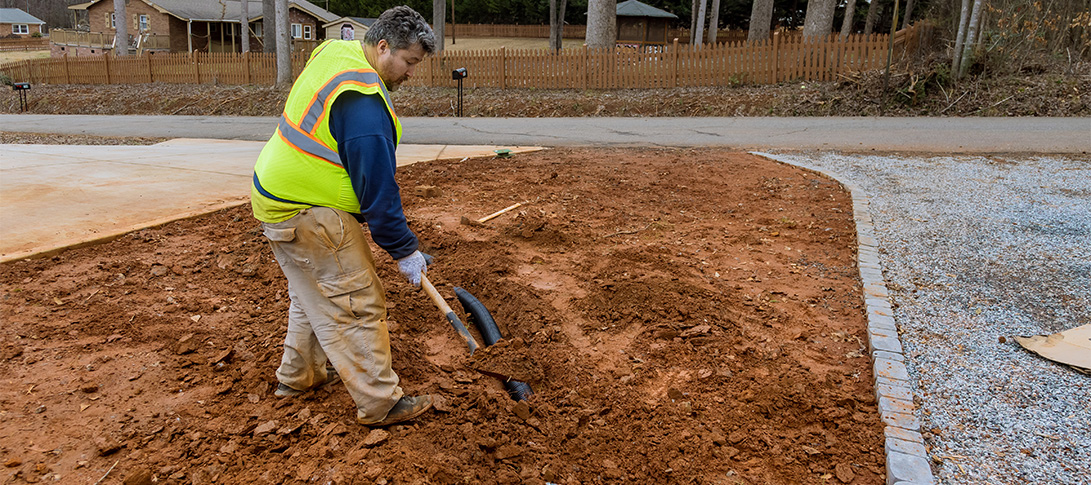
[(54, 197)]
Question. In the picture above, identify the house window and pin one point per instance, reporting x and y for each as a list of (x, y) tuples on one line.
[(113, 21), (307, 32), (20, 29), (297, 31), (258, 29), (143, 23)]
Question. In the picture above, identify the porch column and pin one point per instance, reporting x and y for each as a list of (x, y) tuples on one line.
[(189, 34)]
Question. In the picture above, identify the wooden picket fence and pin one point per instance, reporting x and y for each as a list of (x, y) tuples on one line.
[(571, 31), (772, 61), (24, 44)]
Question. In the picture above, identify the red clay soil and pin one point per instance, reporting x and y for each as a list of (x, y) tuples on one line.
[(684, 316)]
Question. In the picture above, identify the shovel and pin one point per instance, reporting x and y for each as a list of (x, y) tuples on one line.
[(518, 391), (440, 303)]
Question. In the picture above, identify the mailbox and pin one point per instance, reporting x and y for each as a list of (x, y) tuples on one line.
[(20, 86), (459, 73)]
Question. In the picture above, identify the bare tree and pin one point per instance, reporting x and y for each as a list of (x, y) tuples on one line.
[(439, 22), (714, 22), (269, 26), (601, 23), (819, 21), (556, 23), (971, 39), (960, 37), (761, 15), (699, 29), (846, 25), (693, 21), (284, 44), (873, 11), (244, 17), (121, 35), (908, 13)]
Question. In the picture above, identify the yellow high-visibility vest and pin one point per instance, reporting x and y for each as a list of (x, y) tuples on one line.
[(299, 167)]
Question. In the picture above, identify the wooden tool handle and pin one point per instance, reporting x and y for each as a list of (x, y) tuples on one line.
[(434, 295), (440, 303)]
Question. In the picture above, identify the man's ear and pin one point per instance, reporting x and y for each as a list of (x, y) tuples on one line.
[(382, 46)]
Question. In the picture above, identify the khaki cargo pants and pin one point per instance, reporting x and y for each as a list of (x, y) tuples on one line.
[(337, 311)]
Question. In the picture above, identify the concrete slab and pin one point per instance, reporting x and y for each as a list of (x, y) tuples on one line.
[(54, 197)]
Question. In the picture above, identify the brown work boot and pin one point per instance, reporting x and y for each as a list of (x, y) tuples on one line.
[(331, 378), (405, 409)]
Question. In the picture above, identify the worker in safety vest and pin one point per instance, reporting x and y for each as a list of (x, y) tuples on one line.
[(329, 167)]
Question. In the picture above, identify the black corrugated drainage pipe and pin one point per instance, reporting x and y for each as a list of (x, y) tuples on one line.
[(482, 319)]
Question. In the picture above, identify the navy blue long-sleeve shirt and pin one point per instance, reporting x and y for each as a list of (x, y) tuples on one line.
[(365, 143)]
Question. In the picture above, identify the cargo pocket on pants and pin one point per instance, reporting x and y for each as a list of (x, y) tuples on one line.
[(348, 292)]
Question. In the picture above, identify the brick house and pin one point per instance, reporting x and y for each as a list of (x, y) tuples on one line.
[(187, 25), (16, 23)]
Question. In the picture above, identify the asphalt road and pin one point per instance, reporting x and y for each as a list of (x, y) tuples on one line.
[(846, 134)]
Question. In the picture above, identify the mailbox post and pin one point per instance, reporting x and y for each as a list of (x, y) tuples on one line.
[(22, 88), (459, 74)]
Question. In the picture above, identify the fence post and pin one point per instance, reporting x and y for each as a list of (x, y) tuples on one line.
[(196, 69), (151, 75), (67, 73), (503, 67), (246, 65), (776, 56), (674, 63), (586, 69), (106, 62)]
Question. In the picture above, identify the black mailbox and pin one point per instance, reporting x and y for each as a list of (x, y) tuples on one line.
[(20, 86), (459, 73)]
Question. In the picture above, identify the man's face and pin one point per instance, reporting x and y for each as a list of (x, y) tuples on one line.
[(395, 67)]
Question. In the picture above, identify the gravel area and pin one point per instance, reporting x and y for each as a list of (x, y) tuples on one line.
[(975, 250)]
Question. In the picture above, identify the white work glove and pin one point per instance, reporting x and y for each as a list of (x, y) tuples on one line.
[(412, 266)]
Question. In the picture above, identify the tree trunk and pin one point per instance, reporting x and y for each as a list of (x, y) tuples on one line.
[(714, 22), (439, 22), (960, 37), (971, 39), (846, 25), (908, 13), (601, 23), (761, 16), (699, 29), (245, 18), (819, 21), (121, 26), (556, 23), (284, 44), (873, 12), (268, 26), (692, 21)]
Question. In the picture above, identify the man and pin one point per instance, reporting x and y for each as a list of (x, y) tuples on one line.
[(329, 166)]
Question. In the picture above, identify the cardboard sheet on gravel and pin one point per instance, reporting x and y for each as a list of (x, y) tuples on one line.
[(685, 316), (1071, 347)]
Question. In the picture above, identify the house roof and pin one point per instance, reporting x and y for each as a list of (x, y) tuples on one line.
[(633, 8), (361, 21), (17, 16), (222, 10)]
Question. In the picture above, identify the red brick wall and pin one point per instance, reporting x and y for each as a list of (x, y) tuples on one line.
[(6, 29), (98, 16)]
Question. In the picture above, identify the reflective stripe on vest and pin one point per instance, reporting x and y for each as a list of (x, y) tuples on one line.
[(302, 137)]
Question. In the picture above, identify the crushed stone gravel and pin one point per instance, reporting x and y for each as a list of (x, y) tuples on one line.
[(973, 249)]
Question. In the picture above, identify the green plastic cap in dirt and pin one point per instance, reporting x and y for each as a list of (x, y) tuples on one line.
[(503, 153)]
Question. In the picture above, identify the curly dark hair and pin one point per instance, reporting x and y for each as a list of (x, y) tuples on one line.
[(402, 27)]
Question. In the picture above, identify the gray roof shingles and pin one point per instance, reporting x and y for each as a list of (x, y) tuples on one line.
[(17, 16)]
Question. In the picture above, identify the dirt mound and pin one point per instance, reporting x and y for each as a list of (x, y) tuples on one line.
[(684, 316)]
